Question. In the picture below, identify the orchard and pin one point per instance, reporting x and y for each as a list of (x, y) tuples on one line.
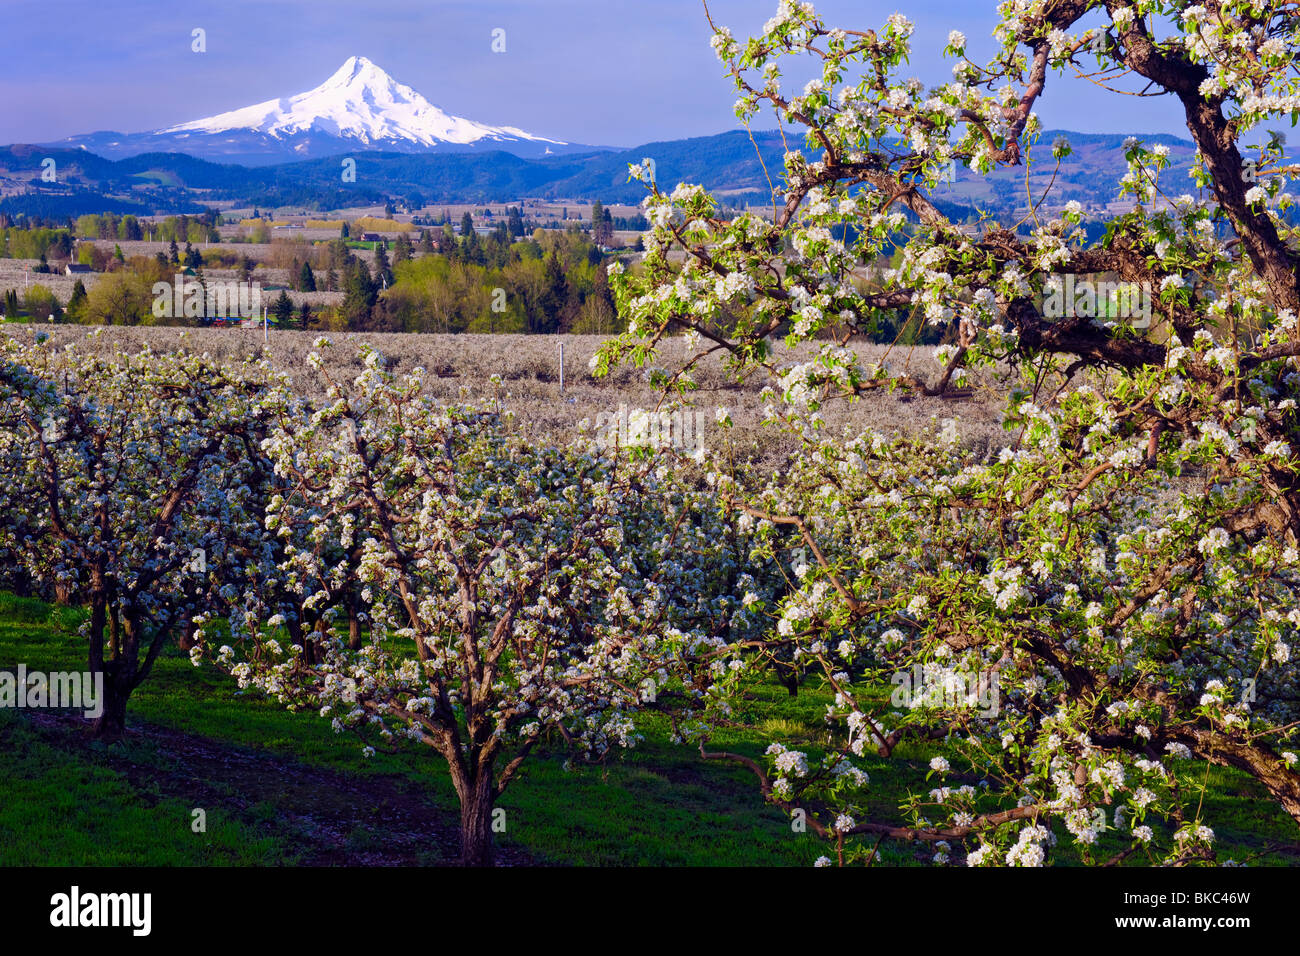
[(1078, 624)]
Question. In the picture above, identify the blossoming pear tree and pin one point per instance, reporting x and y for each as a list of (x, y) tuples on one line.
[(515, 596), (1083, 623), (127, 484)]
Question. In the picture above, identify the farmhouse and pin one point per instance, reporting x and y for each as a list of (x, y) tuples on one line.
[(76, 268)]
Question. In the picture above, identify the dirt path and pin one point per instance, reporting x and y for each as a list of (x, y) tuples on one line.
[(333, 819)]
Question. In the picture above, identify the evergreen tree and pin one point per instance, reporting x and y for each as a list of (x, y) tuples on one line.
[(466, 225), (282, 309), (383, 271), (61, 246), (339, 255), (360, 293), (554, 296), (401, 249), (343, 232), (515, 223), (602, 229), (305, 317), (174, 253), (306, 278), (471, 250), (426, 241), (77, 302)]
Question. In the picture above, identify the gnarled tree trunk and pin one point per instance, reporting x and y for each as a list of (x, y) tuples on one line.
[(476, 804)]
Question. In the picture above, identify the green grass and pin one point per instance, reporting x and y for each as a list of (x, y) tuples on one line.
[(657, 804), (61, 809)]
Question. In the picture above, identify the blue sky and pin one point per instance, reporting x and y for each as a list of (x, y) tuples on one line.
[(610, 72)]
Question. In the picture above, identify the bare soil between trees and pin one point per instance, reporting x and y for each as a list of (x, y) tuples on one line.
[(328, 818)]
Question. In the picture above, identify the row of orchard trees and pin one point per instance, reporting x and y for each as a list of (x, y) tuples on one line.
[(412, 571)]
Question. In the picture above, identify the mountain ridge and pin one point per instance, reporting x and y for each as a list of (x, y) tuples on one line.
[(725, 163)]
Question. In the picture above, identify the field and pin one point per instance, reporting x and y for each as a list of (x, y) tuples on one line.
[(530, 371)]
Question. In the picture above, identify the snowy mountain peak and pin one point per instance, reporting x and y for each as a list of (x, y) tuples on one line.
[(358, 102), (351, 67), (358, 75)]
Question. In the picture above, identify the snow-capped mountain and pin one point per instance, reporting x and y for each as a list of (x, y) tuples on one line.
[(361, 102), (360, 107)]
